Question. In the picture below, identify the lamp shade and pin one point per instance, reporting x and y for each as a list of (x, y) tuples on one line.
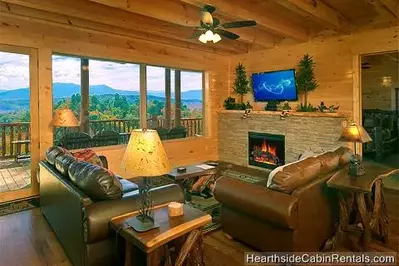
[(64, 118), (145, 155), (355, 133)]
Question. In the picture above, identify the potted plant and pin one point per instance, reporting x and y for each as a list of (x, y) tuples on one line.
[(241, 82), (306, 81)]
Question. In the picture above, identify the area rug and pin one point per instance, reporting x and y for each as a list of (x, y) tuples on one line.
[(17, 206)]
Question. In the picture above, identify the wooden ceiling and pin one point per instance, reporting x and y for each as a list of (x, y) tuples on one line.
[(171, 22)]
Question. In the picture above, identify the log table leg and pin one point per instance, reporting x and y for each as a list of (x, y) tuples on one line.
[(128, 253), (361, 205)]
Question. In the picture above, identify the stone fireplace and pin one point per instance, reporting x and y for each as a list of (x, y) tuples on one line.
[(266, 150)]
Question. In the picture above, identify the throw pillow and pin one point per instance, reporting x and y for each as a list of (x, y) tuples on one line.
[(53, 152), (329, 162), (95, 181), (345, 155), (62, 163), (88, 155)]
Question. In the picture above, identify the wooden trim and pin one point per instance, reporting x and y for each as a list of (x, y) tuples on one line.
[(392, 6), (206, 107), (357, 95), (143, 95), (85, 95)]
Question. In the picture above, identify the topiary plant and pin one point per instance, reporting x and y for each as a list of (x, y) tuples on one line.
[(305, 79)]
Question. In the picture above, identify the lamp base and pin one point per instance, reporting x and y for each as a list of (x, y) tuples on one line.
[(355, 166), (142, 224)]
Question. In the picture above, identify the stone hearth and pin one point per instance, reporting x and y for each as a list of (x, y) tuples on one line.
[(302, 132)]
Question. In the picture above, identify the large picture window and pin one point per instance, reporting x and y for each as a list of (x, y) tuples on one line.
[(105, 96)]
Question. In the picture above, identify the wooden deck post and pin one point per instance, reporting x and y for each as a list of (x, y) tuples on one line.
[(168, 98), (177, 98), (143, 95), (84, 93)]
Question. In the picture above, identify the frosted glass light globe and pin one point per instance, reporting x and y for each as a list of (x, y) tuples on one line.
[(216, 38), (209, 35)]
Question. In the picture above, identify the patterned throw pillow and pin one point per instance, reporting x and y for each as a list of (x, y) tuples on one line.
[(88, 155)]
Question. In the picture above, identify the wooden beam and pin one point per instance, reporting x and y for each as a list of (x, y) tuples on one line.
[(183, 14), (84, 94), (168, 98), (392, 6), (243, 10), (143, 96), (382, 9), (108, 20), (177, 98), (317, 9)]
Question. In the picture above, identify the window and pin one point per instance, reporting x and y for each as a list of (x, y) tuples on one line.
[(105, 96)]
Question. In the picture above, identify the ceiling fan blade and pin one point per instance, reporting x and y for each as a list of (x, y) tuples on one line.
[(209, 9), (196, 34), (227, 34), (239, 24), (216, 22)]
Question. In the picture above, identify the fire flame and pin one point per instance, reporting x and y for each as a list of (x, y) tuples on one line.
[(268, 148)]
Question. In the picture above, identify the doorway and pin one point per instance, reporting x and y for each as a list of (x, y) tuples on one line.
[(380, 106), (19, 148)]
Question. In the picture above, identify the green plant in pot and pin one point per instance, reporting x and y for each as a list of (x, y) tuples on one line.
[(241, 84), (306, 81), (230, 103)]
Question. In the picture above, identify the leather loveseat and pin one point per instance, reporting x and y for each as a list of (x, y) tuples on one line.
[(296, 212), (80, 222)]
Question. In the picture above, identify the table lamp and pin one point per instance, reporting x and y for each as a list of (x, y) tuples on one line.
[(145, 157), (64, 118), (356, 134)]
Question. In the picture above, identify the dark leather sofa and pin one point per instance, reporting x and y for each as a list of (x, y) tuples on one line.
[(295, 213), (81, 223)]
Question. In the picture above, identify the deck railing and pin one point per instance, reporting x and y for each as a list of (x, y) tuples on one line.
[(15, 137)]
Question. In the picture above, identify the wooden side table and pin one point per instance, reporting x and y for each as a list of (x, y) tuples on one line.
[(150, 247), (363, 194)]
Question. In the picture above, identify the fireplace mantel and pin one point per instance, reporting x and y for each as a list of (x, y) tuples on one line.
[(291, 113), (312, 131)]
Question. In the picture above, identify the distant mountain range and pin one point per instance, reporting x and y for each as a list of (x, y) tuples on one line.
[(63, 90), (11, 100)]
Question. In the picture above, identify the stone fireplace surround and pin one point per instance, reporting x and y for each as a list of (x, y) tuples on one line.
[(302, 131)]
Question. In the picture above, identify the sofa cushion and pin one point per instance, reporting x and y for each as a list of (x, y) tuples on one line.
[(88, 155), (53, 152), (344, 154), (62, 163), (296, 175), (95, 181), (329, 161)]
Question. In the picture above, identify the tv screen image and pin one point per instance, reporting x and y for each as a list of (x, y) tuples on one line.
[(275, 86)]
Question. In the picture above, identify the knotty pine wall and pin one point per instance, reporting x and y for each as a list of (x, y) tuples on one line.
[(336, 64), (48, 38)]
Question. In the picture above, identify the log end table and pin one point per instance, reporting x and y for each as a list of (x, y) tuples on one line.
[(153, 247), (364, 195)]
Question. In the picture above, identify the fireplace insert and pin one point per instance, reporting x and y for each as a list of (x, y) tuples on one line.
[(266, 150)]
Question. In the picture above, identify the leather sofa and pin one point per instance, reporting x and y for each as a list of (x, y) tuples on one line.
[(81, 223), (295, 213)]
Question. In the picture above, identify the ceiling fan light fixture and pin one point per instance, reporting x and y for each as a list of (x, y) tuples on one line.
[(209, 35), (216, 38), (203, 38)]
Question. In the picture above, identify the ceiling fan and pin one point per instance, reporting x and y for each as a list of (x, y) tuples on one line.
[(210, 28)]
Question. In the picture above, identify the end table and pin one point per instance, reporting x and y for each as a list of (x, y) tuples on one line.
[(363, 194), (149, 247)]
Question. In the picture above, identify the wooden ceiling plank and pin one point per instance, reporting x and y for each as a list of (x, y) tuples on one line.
[(392, 6), (183, 14), (103, 18), (79, 24), (317, 9), (244, 10)]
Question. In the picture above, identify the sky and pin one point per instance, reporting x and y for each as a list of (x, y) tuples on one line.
[(14, 74)]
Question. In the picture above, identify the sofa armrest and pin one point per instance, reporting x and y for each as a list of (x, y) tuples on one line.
[(257, 201), (98, 215)]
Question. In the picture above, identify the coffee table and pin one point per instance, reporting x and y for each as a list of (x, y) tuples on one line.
[(150, 247)]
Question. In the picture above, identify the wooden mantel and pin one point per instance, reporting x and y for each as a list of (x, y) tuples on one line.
[(292, 113)]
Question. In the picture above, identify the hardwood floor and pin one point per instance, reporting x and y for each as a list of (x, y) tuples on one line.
[(26, 239)]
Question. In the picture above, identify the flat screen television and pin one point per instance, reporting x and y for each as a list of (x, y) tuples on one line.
[(275, 86)]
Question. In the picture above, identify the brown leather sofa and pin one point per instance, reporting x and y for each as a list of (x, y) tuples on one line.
[(295, 213), (81, 223)]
